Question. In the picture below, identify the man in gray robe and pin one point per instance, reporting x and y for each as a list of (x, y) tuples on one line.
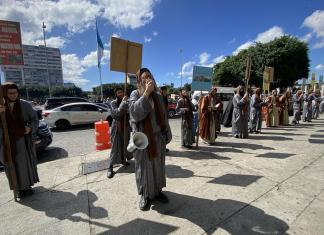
[(119, 108), (255, 112), (240, 114), (186, 108), (22, 121), (307, 109), (297, 100), (148, 115)]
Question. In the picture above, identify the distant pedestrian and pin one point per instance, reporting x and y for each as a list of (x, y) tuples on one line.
[(186, 108), (22, 121), (119, 108), (255, 112), (273, 103), (240, 114), (308, 109), (297, 105), (284, 102)]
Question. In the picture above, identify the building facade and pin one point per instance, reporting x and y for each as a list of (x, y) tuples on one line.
[(35, 71)]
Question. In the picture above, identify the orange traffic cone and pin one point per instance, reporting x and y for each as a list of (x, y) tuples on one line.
[(102, 135)]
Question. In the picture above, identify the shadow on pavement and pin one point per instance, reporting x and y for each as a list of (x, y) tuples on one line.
[(320, 131), (64, 205), (316, 136), (172, 171), (280, 133), (316, 141), (192, 154), (273, 137), (236, 180), (141, 226), (275, 155), (235, 217), (244, 145), (220, 150), (51, 154)]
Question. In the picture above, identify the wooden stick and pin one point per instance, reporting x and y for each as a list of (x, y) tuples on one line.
[(7, 151), (125, 116)]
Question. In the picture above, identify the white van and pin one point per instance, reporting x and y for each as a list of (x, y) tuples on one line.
[(224, 93)]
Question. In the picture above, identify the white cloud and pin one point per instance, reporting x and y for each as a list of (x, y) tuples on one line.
[(203, 58), (128, 13), (74, 67), (319, 44), (147, 39), (307, 37), (270, 34), (155, 33), (187, 70), (320, 67), (315, 22), (74, 16), (264, 37), (56, 42), (219, 59)]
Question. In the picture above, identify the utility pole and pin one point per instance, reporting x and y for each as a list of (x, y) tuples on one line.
[(48, 78), (181, 66)]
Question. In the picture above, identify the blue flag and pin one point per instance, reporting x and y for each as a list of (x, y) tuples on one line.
[(100, 47)]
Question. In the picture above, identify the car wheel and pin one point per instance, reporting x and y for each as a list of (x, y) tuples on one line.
[(62, 124), (171, 113)]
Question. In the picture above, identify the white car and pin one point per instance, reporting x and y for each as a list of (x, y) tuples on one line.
[(75, 114)]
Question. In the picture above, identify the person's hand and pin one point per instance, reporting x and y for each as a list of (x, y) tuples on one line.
[(246, 95), (149, 87), (125, 98), (2, 109), (27, 130)]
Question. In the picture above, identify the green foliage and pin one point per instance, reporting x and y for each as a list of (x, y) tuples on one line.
[(288, 56), (108, 90)]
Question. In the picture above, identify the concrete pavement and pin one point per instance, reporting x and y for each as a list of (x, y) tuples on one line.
[(271, 183)]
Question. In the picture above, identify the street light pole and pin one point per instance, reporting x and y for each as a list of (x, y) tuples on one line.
[(181, 65), (48, 78)]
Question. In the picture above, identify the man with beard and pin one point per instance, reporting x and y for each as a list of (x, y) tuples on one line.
[(255, 112), (211, 108), (148, 115), (186, 108), (119, 108), (240, 114), (22, 121)]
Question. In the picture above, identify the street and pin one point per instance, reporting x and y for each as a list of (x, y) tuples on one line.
[(80, 140)]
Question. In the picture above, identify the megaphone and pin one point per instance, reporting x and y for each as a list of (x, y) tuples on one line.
[(138, 140)]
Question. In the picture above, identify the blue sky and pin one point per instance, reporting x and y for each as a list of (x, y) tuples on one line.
[(205, 31)]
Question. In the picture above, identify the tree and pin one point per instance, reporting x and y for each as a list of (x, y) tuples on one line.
[(288, 55), (108, 89)]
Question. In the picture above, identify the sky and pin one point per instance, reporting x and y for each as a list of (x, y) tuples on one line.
[(176, 34)]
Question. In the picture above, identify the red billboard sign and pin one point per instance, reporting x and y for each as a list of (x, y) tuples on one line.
[(10, 43)]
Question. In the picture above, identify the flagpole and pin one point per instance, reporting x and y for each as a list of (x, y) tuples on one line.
[(101, 93)]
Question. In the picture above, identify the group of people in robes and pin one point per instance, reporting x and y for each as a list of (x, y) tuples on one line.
[(19, 155)]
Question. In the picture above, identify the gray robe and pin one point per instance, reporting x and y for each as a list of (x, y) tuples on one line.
[(150, 174), (255, 113), (297, 101), (187, 135), (315, 106), (307, 109), (240, 117), (25, 159), (117, 139)]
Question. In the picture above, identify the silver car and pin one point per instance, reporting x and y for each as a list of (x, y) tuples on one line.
[(75, 114)]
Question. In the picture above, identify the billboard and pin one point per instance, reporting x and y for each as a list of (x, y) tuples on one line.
[(201, 78), (10, 43)]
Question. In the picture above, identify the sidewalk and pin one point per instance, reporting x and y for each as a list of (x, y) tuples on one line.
[(271, 183)]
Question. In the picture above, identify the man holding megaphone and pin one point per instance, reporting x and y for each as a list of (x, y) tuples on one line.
[(151, 133)]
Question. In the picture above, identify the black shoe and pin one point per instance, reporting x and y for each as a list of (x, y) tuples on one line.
[(144, 203), (110, 173), (167, 150), (25, 193), (162, 198), (126, 164)]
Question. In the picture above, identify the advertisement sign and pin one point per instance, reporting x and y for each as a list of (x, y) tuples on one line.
[(10, 43), (201, 78)]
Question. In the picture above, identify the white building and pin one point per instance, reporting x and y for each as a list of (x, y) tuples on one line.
[(34, 71)]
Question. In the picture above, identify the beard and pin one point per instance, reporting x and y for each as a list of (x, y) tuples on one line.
[(241, 93)]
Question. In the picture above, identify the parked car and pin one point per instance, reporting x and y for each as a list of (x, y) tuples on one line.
[(55, 102), (172, 108), (107, 106), (75, 114)]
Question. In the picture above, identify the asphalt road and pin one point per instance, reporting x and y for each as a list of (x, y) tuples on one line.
[(80, 140)]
